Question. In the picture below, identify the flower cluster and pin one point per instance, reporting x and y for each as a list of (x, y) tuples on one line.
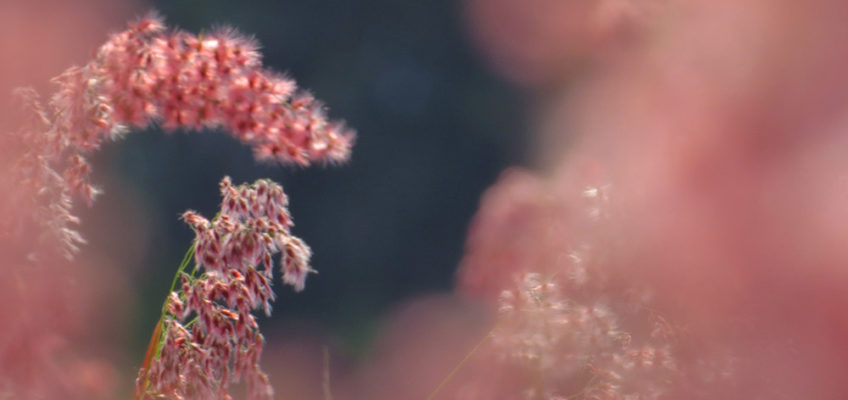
[(572, 324), (213, 80), (581, 349), (208, 336), (146, 74)]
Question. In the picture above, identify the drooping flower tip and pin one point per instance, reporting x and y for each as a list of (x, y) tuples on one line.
[(340, 141), (195, 220), (294, 260)]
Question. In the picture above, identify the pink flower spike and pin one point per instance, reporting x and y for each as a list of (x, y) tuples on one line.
[(234, 255)]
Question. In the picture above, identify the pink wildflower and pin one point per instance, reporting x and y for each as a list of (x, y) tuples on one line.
[(146, 74), (198, 359)]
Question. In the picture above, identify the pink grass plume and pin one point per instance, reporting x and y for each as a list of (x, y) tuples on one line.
[(147, 74)]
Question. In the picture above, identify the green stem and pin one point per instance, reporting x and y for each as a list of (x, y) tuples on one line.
[(154, 348), (186, 260)]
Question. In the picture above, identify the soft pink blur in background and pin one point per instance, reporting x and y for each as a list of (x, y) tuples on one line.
[(722, 136), (63, 323), (39, 45)]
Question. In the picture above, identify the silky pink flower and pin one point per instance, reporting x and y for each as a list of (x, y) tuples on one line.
[(198, 359), (215, 80), (146, 75)]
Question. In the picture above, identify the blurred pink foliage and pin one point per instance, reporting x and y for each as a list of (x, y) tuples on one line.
[(716, 146), (53, 344)]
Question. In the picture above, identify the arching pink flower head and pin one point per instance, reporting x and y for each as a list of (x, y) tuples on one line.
[(147, 74)]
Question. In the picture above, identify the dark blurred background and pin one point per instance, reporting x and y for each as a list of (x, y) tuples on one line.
[(434, 129)]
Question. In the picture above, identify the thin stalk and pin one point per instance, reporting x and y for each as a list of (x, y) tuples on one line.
[(148, 357), (186, 260), (154, 347), (461, 363)]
